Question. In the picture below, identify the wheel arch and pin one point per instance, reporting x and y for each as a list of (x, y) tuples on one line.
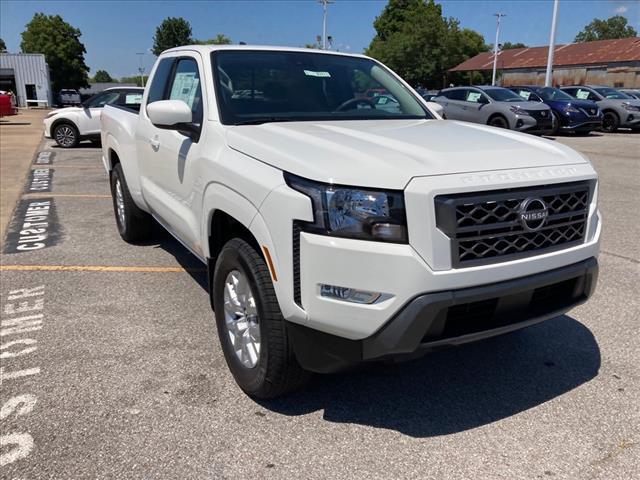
[(63, 121)]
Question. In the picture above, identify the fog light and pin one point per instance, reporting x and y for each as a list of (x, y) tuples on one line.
[(348, 294), (389, 231), (519, 123)]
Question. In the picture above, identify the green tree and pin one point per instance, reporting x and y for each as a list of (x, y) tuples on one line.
[(3, 46), (219, 39), (612, 28), (102, 76), (415, 40), (510, 46), (172, 32), (62, 48), (135, 80)]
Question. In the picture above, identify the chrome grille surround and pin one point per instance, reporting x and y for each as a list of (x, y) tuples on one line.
[(485, 227)]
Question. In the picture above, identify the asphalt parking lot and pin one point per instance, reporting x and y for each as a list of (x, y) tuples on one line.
[(111, 350)]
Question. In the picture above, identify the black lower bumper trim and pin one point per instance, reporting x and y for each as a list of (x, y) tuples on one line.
[(436, 320)]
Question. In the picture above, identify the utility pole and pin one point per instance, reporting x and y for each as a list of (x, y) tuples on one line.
[(324, 3), (495, 46), (548, 78)]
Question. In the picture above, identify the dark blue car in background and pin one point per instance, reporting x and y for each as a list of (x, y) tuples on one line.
[(571, 114)]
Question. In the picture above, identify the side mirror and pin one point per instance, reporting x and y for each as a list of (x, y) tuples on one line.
[(173, 115), (436, 108)]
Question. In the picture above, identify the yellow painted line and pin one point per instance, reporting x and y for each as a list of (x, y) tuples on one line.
[(63, 195), (97, 268)]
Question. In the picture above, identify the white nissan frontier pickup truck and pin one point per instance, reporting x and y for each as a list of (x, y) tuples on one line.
[(339, 227)]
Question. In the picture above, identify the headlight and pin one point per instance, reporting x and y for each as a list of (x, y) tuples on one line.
[(351, 212), (631, 108), (518, 110), (570, 109)]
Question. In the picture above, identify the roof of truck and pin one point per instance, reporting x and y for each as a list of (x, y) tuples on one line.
[(212, 48)]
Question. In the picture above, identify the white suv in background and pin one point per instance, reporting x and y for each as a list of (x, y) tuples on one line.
[(69, 125), (336, 232)]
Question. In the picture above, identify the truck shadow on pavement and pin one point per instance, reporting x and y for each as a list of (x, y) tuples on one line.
[(458, 389)]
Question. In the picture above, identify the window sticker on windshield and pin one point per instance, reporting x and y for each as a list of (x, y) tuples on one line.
[(185, 85), (473, 96), (311, 73), (133, 98), (582, 94), (524, 94)]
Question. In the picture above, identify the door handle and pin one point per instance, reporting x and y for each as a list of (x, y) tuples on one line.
[(155, 144)]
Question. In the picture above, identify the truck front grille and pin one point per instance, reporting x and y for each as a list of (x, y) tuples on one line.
[(502, 225)]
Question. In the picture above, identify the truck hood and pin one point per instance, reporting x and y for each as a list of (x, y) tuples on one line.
[(389, 153)]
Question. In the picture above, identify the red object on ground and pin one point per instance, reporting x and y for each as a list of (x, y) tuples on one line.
[(7, 105)]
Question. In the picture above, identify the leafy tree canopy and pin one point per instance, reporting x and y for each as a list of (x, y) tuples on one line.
[(219, 39), (509, 45), (102, 76), (62, 48), (3, 46), (415, 40), (612, 28), (172, 32)]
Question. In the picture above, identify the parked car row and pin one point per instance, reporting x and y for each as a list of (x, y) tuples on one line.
[(543, 110)]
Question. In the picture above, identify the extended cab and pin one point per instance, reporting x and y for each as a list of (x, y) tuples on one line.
[(336, 232)]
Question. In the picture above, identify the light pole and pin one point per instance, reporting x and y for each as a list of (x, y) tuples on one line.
[(495, 46), (548, 78), (324, 3), (141, 67)]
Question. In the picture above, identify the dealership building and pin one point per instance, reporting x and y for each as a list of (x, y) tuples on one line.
[(614, 63), (27, 76)]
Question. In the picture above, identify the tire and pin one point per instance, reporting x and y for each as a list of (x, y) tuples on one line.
[(134, 224), (263, 365), (556, 123), (499, 121), (610, 122), (66, 135)]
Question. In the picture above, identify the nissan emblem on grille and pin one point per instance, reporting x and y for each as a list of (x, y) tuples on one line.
[(533, 214)]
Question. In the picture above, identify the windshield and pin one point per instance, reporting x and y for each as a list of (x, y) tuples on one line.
[(550, 94), (503, 95), (612, 93), (271, 86)]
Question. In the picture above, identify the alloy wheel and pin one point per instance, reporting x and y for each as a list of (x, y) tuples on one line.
[(65, 136), (241, 318), (120, 208)]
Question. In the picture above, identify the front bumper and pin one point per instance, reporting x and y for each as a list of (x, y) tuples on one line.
[(630, 119), (452, 317)]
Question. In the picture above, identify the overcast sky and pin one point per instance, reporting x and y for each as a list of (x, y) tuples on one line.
[(113, 31)]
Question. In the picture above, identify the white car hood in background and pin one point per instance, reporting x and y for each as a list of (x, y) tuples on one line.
[(388, 153), (67, 110)]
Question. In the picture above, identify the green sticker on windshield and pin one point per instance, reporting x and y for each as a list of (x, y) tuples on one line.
[(582, 94), (524, 94), (311, 73)]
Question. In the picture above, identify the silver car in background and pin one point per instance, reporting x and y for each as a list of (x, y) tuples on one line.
[(495, 106), (618, 108)]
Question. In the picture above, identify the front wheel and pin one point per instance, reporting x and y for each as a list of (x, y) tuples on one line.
[(610, 122), (134, 224), (499, 121), (66, 135), (250, 324)]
